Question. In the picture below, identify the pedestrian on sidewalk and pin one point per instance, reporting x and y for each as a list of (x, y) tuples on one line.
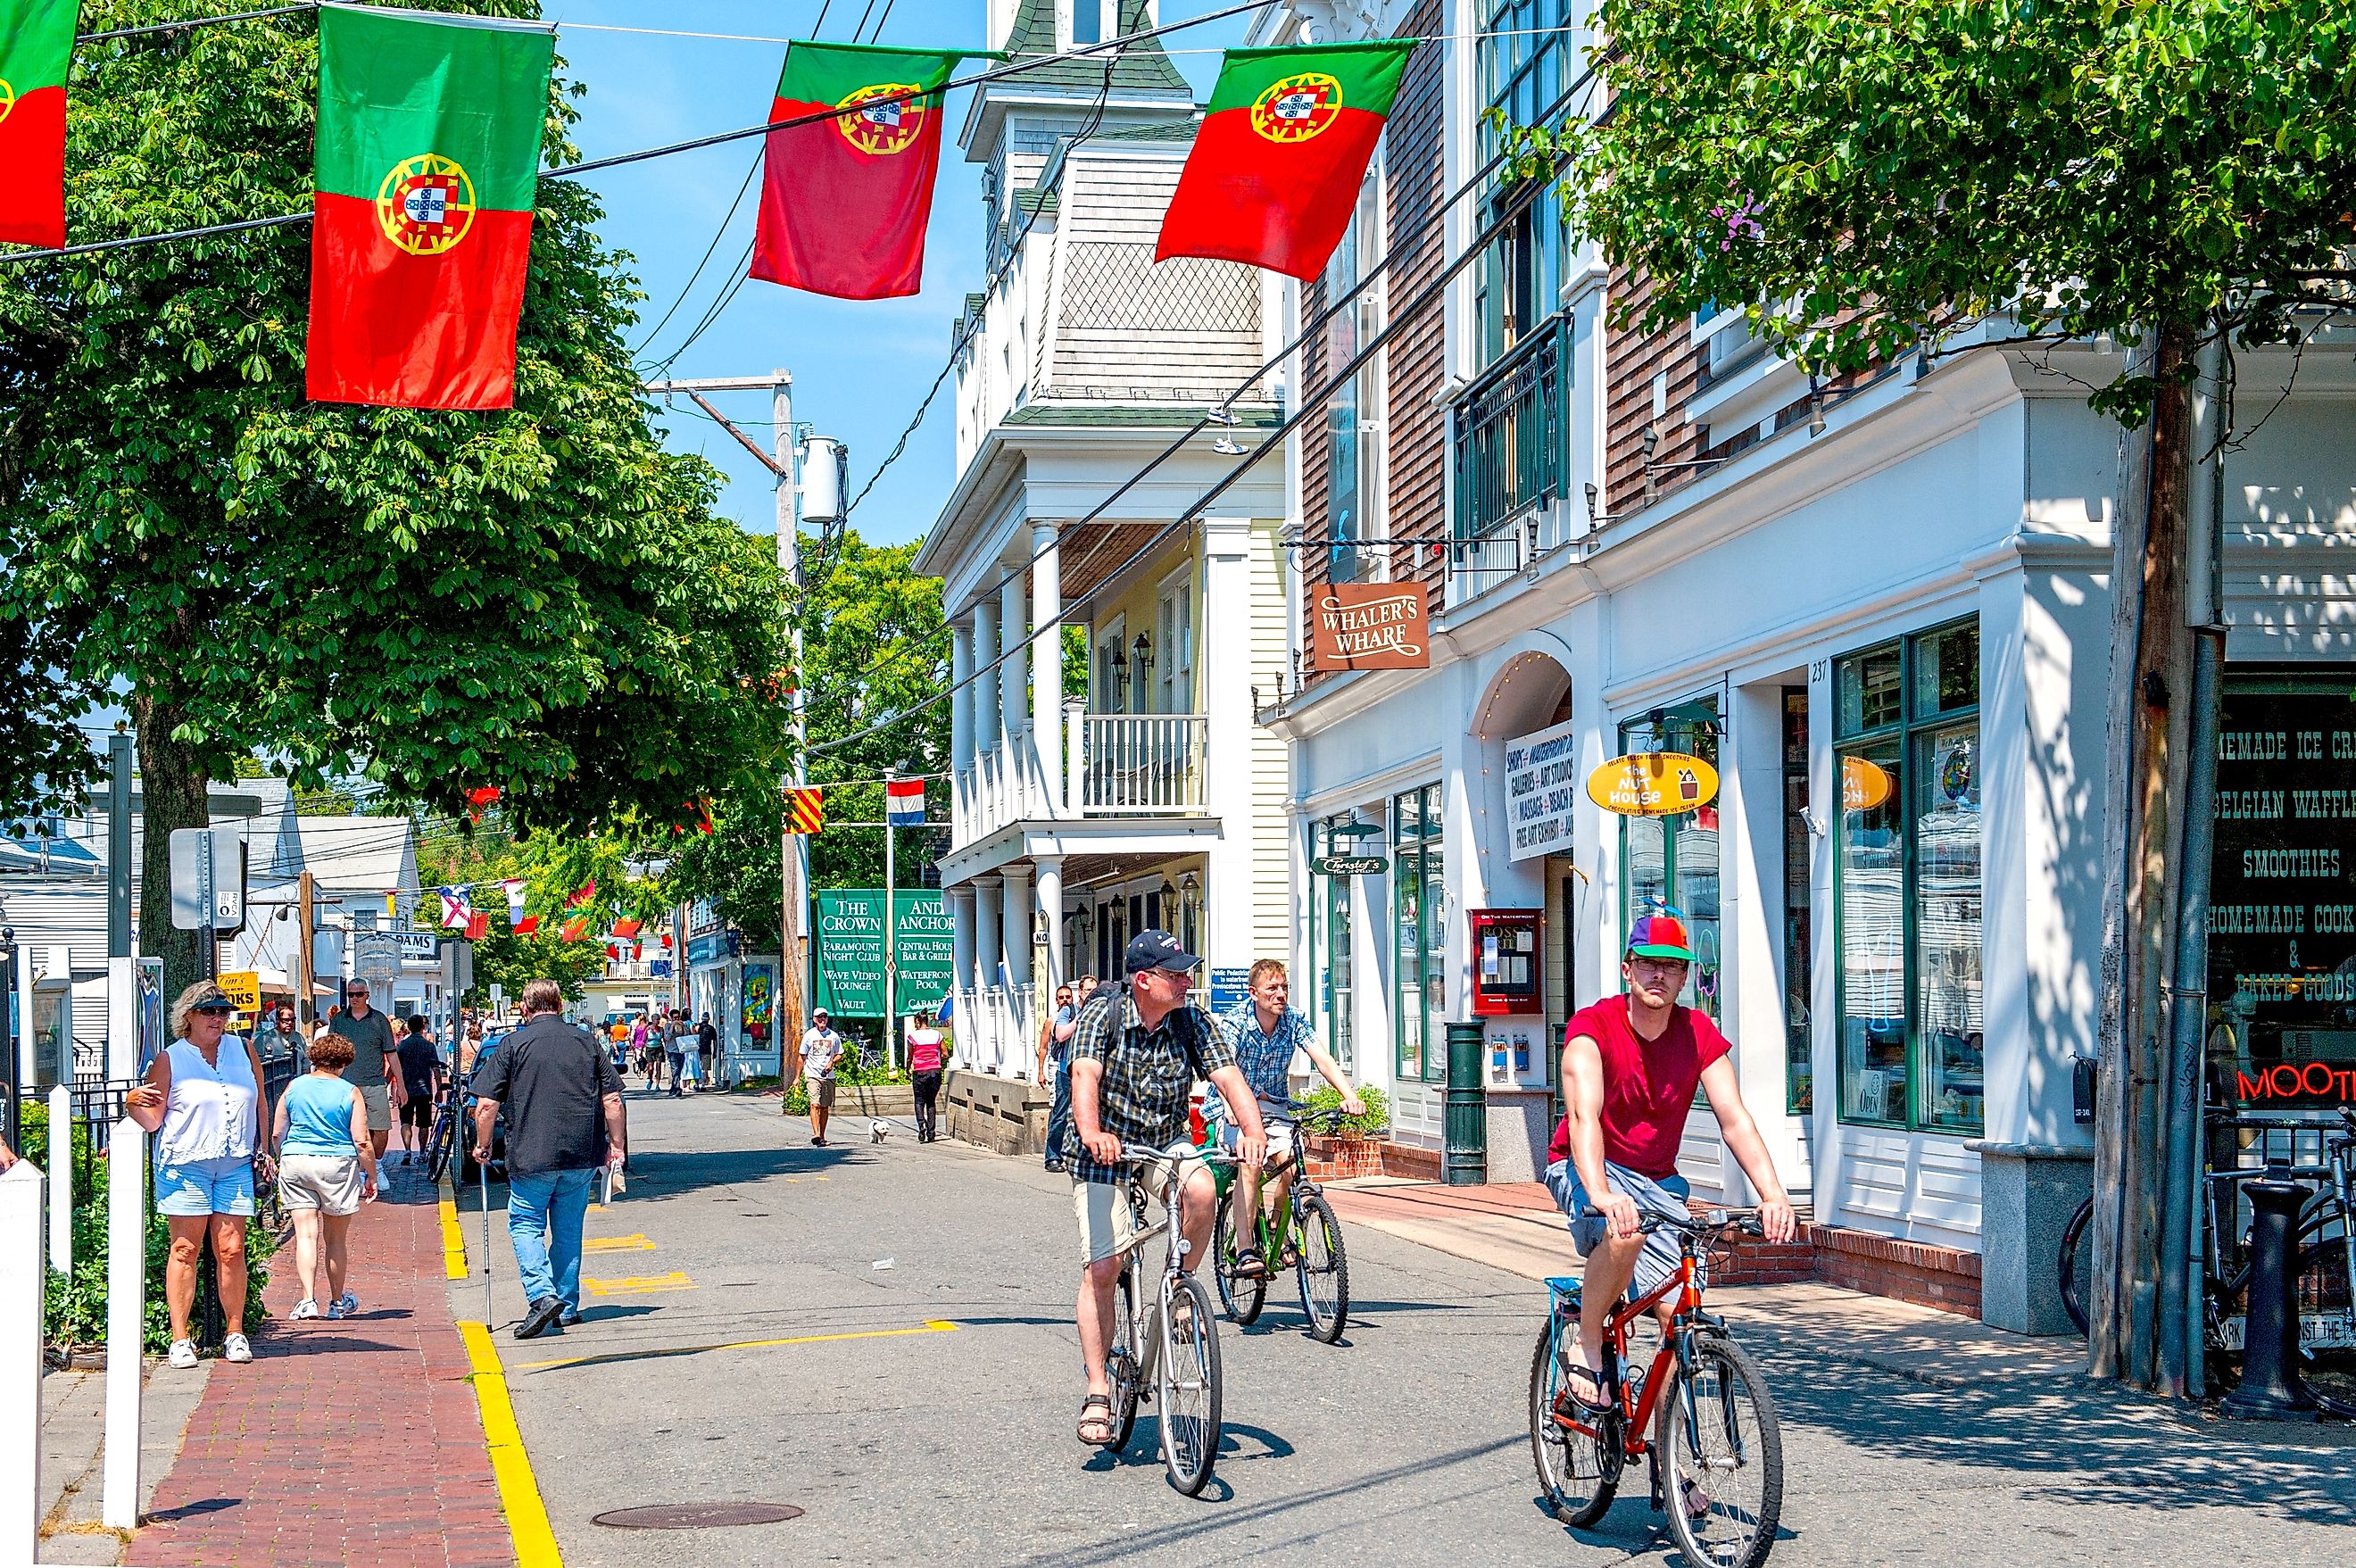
[(821, 1048), (375, 1066), (563, 1106), (707, 1046), (326, 1171), (420, 1086), (1055, 1059), (203, 1093), (924, 1072), (678, 1042), (278, 1036)]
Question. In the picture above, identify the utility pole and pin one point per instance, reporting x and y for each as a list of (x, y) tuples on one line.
[(793, 874), (305, 1003)]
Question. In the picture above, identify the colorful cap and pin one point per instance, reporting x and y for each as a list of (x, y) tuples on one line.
[(1659, 936)]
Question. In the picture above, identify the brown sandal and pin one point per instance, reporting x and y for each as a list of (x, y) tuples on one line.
[(1096, 1403)]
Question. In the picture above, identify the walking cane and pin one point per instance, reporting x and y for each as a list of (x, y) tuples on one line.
[(483, 1174)]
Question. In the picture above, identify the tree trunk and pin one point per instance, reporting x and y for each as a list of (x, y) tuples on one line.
[(2151, 679), (173, 795)]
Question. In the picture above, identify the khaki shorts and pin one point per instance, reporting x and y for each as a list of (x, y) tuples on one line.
[(328, 1183), (1106, 1226), (822, 1091)]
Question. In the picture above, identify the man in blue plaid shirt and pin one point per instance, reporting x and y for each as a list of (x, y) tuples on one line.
[(1267, 1031), (1136, 1054)]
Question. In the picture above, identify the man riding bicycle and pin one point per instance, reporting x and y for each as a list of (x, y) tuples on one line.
[(1266, 1032), (1135, 1057), (1630, 1066)]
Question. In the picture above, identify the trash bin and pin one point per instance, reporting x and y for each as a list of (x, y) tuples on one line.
[(1466, 1163)]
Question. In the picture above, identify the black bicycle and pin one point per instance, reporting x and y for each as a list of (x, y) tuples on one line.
[(1311, 1235), (441, 1142)]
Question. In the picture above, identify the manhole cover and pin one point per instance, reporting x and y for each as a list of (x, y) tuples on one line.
[(697, 1516)]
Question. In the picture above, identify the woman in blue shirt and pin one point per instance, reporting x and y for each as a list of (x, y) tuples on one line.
[(326, 1169)]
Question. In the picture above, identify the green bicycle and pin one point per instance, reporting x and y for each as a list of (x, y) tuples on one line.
[(1303, 1233)]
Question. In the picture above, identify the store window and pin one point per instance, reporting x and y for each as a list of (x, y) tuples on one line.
[(1907, 882), (1673, 861), (1353, 428), (1530, 52), (1330, 936), (1799, 1063), (1418, 938)]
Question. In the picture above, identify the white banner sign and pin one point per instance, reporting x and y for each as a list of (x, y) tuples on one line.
[(1541, 791)]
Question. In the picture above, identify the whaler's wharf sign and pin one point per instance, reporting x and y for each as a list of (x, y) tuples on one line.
[(1370, 626)]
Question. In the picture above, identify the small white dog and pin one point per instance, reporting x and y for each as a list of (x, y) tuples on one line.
[(878, 1130)]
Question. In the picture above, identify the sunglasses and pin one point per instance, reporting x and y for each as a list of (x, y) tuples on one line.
[(214, 1007)]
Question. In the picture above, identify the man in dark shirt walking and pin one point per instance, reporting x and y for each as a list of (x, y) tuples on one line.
[(564, 1104)]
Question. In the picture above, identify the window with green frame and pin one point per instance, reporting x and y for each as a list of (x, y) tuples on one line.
[(1674, 860), (1906, 883), (1418, 939), (1528, 53), (1330, 934)]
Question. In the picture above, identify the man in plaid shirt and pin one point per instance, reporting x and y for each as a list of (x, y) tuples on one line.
[(1267, 1032), (1135, 1057)]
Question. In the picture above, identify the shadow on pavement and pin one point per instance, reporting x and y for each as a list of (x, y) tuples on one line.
[(197, 1509)]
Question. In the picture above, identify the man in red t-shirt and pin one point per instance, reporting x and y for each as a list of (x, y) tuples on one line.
[(1630, 1066)]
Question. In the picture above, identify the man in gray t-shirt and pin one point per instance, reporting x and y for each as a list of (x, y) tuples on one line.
[(374, 1068)]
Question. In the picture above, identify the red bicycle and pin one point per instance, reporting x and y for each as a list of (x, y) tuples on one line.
[(1717, 1457)]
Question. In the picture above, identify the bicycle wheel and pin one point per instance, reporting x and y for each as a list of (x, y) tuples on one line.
[(1242, 1298), (438, 1144), (1723, 1456), (2075, 1266), (1576, 1472), (1189, 1386), (1120, 1362), (1324, 1271)]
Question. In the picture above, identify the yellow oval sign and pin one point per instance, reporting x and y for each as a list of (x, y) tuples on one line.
[(1864, 785), (1653, 784)]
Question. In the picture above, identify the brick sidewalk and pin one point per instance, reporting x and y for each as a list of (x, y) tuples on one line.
[(343, 1443)]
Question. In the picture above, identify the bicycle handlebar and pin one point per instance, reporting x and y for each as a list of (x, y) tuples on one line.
[(1747, 1221), (1130, 1154)]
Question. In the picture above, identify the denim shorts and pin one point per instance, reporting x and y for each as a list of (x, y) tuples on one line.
[(206, 1186), (1658, 1261)]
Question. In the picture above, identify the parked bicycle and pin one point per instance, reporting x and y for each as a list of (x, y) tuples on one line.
[(1172, 1342), (1716, 1453), (1321, 1268), (2324, 1268)]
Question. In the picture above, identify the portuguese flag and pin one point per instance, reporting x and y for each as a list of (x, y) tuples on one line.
[(428, 163), (35, 47), (844, 200), (1274, 172)]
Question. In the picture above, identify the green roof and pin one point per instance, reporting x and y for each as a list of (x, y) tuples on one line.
[(1113, 415), (1161, 130), (1034, 200), (1142, 67)]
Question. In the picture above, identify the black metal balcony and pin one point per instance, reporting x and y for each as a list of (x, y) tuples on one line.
[(1513, 452)]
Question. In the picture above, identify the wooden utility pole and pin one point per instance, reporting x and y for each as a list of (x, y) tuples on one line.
[(305, 1003)]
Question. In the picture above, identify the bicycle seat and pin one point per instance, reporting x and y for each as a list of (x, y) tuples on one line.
[(1563, 1284)]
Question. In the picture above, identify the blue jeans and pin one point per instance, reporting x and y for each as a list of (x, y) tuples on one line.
[(1059, 1114), (545, 1214)]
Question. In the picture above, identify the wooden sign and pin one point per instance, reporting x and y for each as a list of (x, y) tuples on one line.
[(1653, 784), (1370, 626), (1864, 785)]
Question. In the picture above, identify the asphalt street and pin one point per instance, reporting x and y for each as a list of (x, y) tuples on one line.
[(882, 1336)]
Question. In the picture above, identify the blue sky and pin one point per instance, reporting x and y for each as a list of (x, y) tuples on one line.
[(860, 368)]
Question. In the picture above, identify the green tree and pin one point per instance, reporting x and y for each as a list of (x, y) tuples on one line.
[(1876, 175), (874, 644), (538, 599)]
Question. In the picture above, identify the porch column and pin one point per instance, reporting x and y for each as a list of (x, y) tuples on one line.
[(982, 694), (960, 728), (1047, 668), (1222, 676), (1015, 693), (1014, 930), (1050, 869), (961, 935), (986, 982)]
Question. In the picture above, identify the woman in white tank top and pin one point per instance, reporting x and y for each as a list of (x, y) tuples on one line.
[(203, 1099)]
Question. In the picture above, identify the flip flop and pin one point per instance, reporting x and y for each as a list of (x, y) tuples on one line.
[(1096, 1403), (1248, 1265), (1569, 1401)]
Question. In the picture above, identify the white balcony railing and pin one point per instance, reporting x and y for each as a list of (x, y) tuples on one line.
[(1141, 763), (994, 1030)]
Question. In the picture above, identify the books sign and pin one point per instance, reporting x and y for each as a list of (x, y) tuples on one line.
[(1370, 626), (1654, 784)]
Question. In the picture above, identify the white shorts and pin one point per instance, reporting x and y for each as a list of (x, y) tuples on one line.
[(328, 1183), (1108, 1229), (1282, 1138)]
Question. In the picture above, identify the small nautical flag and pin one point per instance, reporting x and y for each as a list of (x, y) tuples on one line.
[(455, 909), (903, 802), (805, 810), (514, 888)]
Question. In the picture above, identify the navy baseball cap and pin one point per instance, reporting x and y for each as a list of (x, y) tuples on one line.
[(1157, 950)]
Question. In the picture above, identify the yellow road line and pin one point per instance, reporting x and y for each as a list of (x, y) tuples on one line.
[(618, 1244), (938, 1326), (535, 1541), (453, 1239), (639, 1284)]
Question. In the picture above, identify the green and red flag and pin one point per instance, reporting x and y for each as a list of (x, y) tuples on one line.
[(844, 199), (427, 168), (1274, 172), (36, 48)]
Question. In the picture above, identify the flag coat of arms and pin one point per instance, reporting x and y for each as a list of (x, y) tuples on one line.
[(37, 41), (427, 167), (903, 802), (845, 199), (1284, 142)]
